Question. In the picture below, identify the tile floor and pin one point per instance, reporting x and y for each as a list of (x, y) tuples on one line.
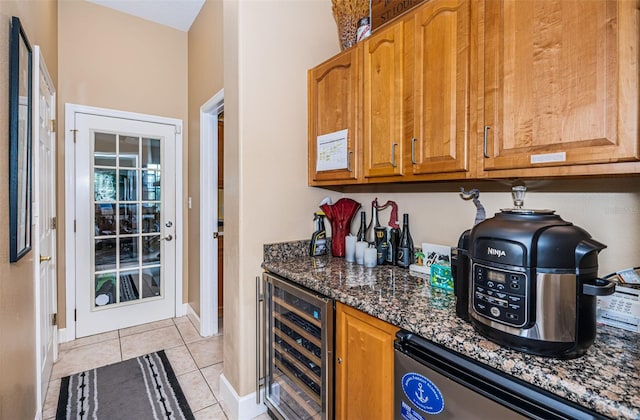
[(197, 361)]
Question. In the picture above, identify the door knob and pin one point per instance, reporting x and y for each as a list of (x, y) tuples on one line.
[(45, 258), (167, 238)]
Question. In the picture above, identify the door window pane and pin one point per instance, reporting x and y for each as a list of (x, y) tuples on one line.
[(105, 289), (105, 215), (151, 185), (129, 255), (104, 152), (151, 153), (105, 254), (128, 185), (129, 151), (150, 249), (104, 185), (128, 219), (129, 289), (150, 217), (151, 282)]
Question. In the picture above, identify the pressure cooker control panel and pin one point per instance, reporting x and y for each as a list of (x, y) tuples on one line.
[(500, 295)]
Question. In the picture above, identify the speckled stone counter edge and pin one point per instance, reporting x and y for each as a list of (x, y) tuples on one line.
[(605, 380), (283, 251)]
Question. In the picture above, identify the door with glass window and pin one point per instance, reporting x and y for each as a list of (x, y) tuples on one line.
[(125, 215)]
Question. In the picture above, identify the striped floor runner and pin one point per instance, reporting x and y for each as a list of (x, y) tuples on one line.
[(141, 388)]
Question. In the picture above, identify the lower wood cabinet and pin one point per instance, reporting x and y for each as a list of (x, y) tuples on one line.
[(363, 365)]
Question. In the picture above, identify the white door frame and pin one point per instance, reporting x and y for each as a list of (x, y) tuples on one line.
[(208, 206), (69, 194), (40, 68)]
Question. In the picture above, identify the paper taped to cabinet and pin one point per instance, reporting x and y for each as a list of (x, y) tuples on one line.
[(332, 151)]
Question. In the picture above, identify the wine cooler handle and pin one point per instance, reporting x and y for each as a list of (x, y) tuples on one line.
[(260, 347)]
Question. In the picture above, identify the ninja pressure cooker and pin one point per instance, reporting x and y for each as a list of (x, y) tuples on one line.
[(527, 279)]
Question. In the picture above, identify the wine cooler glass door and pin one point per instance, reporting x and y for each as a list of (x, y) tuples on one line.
[(297, 352)]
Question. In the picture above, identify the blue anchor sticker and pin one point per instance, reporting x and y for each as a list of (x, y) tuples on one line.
[(423, 393), (422, 398)]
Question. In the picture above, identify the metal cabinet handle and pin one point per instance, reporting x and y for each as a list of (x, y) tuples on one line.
[(393, 154), (486, 140), (413, 150), (339, 360), (259, 344), (349, 162)]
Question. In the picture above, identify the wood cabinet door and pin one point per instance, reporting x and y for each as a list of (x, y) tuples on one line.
[(334, 94), (384, 57), (560, 83), (364, 365), (441, 87)]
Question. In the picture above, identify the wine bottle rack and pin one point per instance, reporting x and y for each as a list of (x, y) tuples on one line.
[(299, 325)]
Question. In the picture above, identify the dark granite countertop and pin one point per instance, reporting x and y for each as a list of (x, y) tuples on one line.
[(605, 380)]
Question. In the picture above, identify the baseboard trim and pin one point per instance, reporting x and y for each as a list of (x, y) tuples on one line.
[(62, 335), (240, 408), (182, 310), (193, 317)]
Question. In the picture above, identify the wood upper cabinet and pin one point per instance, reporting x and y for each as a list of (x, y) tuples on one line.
[(416, 93), (364, 365), (384, 64), (560, 86), (441, 88), (334, 95)]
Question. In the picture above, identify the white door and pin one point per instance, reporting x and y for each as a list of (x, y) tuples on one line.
[(45, 219), (125, 222)]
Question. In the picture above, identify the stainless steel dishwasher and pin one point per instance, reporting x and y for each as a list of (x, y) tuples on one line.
[(431, 381), (298, 351)]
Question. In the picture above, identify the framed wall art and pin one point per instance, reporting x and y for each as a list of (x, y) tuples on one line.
[(20, 138)]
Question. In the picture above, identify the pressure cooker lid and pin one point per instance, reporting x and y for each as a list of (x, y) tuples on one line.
[(518, 192), (530, 238)]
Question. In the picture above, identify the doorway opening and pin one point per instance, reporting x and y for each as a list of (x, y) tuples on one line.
[(211, 213)]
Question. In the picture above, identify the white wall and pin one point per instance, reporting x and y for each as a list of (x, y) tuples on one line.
[(269, 46), (612, 218)]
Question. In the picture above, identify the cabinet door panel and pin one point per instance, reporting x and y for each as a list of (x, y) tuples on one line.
[(554, 75), (441, 87), (364, 365), (333, 106), (383, 92)]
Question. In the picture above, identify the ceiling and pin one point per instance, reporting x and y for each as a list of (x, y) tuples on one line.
[(177, 14)]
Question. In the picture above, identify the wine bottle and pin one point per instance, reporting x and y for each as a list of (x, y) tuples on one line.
[(363, 227), (370, 236), (394, 239), (405, 254), (382, 245)]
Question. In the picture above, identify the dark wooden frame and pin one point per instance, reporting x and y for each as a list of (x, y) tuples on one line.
[(20, 142)]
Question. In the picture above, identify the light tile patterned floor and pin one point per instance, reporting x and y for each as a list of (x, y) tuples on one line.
[(197, 361)]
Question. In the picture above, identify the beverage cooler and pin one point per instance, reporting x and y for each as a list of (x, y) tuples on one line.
[(298, 350)]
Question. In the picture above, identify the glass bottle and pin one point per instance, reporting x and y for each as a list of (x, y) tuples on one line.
[(370, 235), (382, 245), (363, 227), (405, 254), (394, 239)]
